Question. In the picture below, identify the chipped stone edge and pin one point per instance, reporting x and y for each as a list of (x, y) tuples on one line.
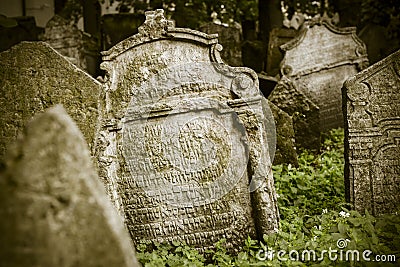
[(371, 70), (94, 185), (76, 68)]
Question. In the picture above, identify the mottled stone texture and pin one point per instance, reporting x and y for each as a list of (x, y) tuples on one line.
[(33, 76), (277, 37), (230, 37), (54, 209), (305, 114), (79, 47), (67, 39), (320, 59), (180, 128), (371, 104), (285, 137)]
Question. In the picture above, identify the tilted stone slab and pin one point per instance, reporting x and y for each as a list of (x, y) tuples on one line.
[(182, 136), (285, 138), (305, 114), (371, 104), (319, 60), (33, 77), (54, 209)]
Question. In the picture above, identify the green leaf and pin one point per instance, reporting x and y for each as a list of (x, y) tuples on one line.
[(293, 189), (355, 221), (342, 228)]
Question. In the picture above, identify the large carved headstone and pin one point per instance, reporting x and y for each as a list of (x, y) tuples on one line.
[(372, 112), (182, 137), (54, 209), (33, 77), (320, 59)]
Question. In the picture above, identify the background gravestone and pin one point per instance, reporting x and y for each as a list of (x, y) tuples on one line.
[(54, 209), (79, 47), (277, 37), (305, 114), (67, 39), (182, 136), (230, 37), (319, 60), (33, 77), (285, 137), (372, 137)]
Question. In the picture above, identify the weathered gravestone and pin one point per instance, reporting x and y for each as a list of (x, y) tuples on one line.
[(372, 137), (320, 59), (54, 209), (285, 137), (33, 77), (305, 114), (67, 39), (182, 137), (79, 47), (230, 37)]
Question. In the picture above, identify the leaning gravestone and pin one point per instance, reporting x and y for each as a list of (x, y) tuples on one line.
[(182, 136), (79, 47), (305, 114), (320, 59), (372, 111), (285, 149), (33, 77), (54, 209)]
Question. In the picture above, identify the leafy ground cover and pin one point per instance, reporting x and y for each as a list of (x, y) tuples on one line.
[(316, 228)]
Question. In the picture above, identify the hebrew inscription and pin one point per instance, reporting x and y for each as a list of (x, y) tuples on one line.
[(184, 147), (188, 159)]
